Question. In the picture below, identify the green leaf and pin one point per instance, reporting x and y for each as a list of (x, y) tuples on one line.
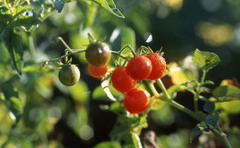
[(209, 107), (135, 141), (12, 100), (110, 6), (15, 106), (212, 120), (59, 4), (108, 144), (99, 94), (208, 82), (172, 91), (227, 91), (121, 37), (14, 44), (105, 85), (79, 92), (205, 60), (26, 21), (195, 133)]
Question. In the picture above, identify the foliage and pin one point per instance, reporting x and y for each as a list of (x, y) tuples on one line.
[(35, 105)]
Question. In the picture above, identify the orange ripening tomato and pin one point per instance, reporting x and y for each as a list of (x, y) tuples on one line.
[(121, 81), (135, 101), (139, 68), (97, 72), (158, 66)]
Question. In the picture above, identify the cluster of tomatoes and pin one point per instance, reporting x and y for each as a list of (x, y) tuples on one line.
[(123, 78), (150, 67)]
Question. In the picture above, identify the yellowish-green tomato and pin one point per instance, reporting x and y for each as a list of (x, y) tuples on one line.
[(98, 54), (69, 75)]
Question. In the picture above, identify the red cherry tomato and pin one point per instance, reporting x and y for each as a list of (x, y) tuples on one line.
[(135, 101), (139, 68), (97, 72), (121, 81), (158, 66)]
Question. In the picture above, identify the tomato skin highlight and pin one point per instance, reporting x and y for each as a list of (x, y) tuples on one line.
[(69, 75), (97, 72), (121, 81), (135, 101), (98, 54), (158, 66), (139, 68)]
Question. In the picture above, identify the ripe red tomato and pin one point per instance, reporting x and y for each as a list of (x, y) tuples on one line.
[(158, 66), (97, 72), (121, 81), (139, 68), (135, 101)]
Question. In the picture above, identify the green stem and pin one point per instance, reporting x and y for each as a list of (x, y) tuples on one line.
[(164, 90), (217, 132), (31, 46), (65, 44), (129, 47), (221, 137), (198, 91), (120, 55), (66, 55), (153, 89)]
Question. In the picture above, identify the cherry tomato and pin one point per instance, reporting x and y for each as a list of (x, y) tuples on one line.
[(97, 72), (69, 75), (98, 54), (158, 66), (135, 101), (139, 68), (121, 81)]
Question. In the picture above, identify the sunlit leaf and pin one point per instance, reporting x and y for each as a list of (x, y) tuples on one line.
[(80, 92), (110, 6), (121, 37), (205, 60), (226, 91), (26, 21), (105, 86)]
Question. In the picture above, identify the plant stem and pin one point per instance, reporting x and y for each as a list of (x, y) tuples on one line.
[(66, 55), (216, 131), (221, 137), (65, 44), (31, 46), (152, 88), (162, 87), (129, 47), (119, 54), (198, 91)]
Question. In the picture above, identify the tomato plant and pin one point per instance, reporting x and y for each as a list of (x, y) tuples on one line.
[(97, 72), (98, 54), (121, 81), (139, 68), (69, 75), (127, 95), (158, 66), (135, 101)]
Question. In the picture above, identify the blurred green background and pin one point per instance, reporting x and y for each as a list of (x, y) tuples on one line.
[(52, 115)]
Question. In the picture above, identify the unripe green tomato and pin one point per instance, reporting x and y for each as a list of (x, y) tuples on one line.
[(98, 54), (69, 75)]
